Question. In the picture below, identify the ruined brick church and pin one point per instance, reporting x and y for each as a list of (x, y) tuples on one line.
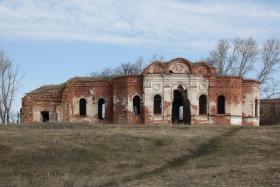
[(174, 92)]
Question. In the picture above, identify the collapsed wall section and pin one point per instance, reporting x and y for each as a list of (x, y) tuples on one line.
[(41, 104)]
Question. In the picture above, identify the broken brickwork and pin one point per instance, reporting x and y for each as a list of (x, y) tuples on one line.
[(176, 87)]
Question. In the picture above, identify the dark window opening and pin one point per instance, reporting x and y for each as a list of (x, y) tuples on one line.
[(101, 109), (157, 104), (203, 104), (45, 116), (83, 107), (136, 105), (221, 104), (256, 108)]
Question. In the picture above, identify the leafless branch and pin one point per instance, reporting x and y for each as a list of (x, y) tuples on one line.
[(271, 90), (10, 78), (270, 58), (234, 57)]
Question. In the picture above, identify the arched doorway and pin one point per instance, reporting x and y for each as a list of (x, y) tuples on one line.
[(181, 112)]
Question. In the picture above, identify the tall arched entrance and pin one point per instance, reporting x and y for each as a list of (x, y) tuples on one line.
[(181, 111)]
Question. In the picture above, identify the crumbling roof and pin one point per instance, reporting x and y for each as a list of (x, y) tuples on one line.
[(251, 80), (58, 88), (88, 79), (49, 89), (273, 101)]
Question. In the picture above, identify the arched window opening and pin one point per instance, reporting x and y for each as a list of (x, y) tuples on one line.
[(256, 108), (221, 104), (45, 116), (83, 107), (136, 105), (157, 104), (101, 108), (203, 104)]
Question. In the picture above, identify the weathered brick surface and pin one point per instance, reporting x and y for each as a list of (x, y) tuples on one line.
[(124, 89), (270, 111), (159, 78), (46, 98)]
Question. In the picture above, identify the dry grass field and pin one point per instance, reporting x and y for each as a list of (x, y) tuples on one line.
[(85, 155)]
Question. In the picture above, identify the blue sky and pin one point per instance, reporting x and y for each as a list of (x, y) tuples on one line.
[(54, 40)]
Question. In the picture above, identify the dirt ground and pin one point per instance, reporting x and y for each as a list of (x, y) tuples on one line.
[(118, 155)]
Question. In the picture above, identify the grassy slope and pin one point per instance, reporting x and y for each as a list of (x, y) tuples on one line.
[(139, 156)]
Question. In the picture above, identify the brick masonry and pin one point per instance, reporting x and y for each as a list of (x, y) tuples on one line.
[(62, 102), (270, 111)]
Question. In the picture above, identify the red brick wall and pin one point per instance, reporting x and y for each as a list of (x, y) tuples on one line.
[(119, 92), (82, 89), (135, 87), (270, 112), (120, 100), (231, 89), (124, 88), (43, 100)]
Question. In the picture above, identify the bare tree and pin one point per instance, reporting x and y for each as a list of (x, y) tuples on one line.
[(126, 69), (244, 54), (270, 58), (219, 57), (10, 78), (238, 56), (129, 68), (234, 57), (139, 65), (106, 73), (270, 61), (271, 89)]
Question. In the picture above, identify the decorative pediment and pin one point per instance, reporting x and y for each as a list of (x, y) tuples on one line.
[(179, 68), (180, 65)]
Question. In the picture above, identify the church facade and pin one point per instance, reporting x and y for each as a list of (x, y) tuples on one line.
[(173, 92)]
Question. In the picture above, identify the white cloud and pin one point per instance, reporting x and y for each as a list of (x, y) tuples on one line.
[(158, 22)]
